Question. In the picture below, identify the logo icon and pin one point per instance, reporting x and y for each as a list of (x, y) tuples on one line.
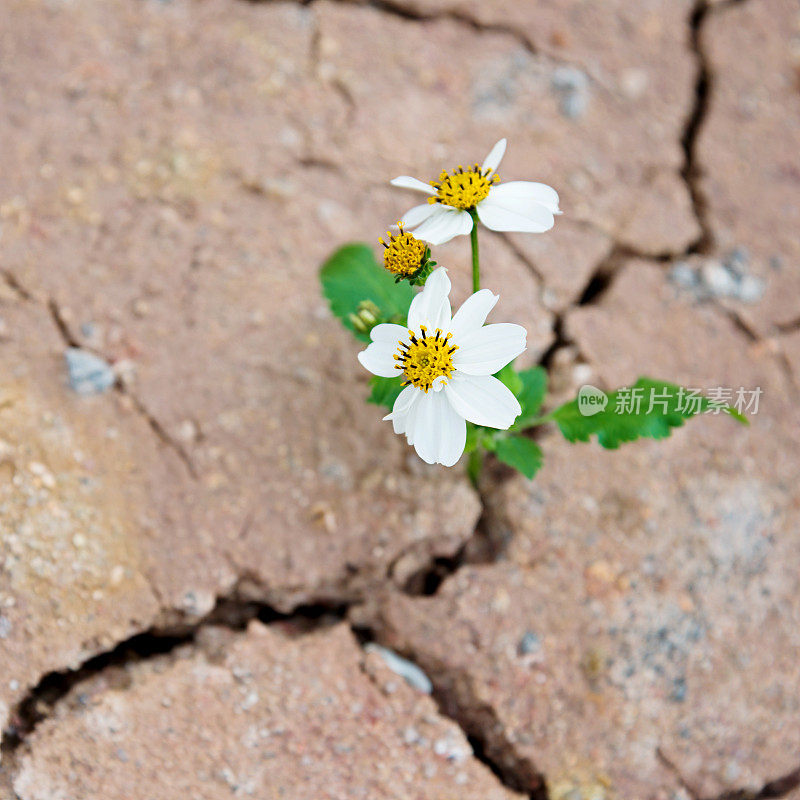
[(591, 400)]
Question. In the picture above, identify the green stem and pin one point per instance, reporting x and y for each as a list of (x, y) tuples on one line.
[(540, 420), (474, 465), (473, 237)]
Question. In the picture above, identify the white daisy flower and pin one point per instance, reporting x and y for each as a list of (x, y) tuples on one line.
[(515, 206), (447, 364)]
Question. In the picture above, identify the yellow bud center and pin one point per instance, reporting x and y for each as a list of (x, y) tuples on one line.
[(404, 254), (425, 357), (463, 188)]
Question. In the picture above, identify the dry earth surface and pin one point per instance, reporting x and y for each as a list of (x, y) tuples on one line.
[(193, 558)]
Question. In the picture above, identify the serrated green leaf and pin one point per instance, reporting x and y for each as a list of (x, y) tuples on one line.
[(663, 406), (352, 275), (533, 386), (384, 390), (520, 453)]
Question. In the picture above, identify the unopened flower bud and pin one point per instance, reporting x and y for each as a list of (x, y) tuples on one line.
[(366, 317)]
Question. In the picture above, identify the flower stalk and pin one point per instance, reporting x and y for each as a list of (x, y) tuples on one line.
[(476, 266)]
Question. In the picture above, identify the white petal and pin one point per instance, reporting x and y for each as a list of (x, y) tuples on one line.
[(489, 349), (378, 358), (402, 408), (407, 182), (444, 224), (514, 214), (483, 399), (439, 433), (472, 313), (492, 161), (389, 333), (539, 193), (431, 307), (418, 214)]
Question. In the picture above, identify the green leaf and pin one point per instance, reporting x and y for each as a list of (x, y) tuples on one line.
[(531, 395), (520, 453), (511, 378), (384, 390), (663, 406), (352, 275)]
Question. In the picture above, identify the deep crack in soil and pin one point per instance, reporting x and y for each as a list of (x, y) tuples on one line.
[(229, 612)]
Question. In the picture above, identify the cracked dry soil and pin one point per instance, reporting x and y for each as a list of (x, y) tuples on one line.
[(191, 563)]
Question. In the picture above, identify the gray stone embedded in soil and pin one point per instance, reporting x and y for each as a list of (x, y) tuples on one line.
[(751, 289), (88, 374), (572, 87), (406, 669), (529, 643), (684, 275), (722, 279), (717, 279), (737, 261)]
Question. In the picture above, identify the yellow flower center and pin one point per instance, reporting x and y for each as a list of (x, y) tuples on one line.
[(404, 254), (463, 188), (425, 358)]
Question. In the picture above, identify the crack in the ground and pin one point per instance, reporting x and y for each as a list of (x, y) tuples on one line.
[(673, 768), (603, 275), (691, 171), (402, 11), (484, 546), (159, 430), (523, 258), (15, 286), (229, 611), (235, 613), (788, 327), (457, 700)]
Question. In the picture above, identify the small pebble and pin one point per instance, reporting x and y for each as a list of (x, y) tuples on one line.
[(411, 735), (682, 274), (572, 87), (529, 643), (5, 627), (737, 261), (718, 280), (88, 374), (678, 694), (410, 672), (117, 575), (44, 474), (751, 289)]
